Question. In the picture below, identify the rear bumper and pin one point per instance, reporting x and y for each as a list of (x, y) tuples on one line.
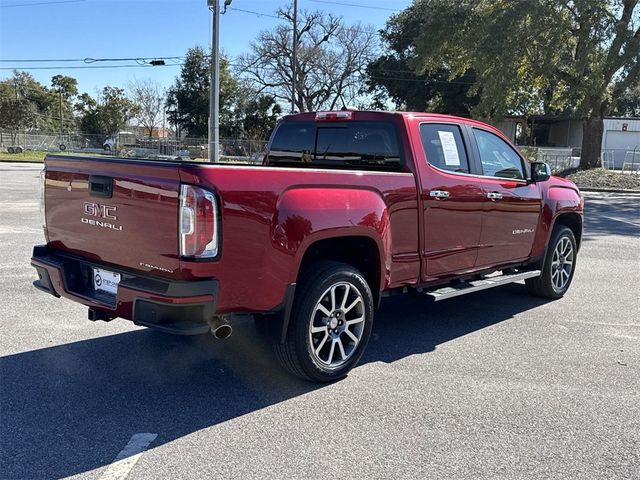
[(172, 306)]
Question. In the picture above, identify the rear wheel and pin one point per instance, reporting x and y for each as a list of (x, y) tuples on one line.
[(559, 266), (330, 324)]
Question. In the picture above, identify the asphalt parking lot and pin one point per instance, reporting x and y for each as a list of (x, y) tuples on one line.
[(497, 384)]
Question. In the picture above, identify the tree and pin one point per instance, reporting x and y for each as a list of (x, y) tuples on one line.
[(42, 106), (259, 117), (16, 114), (331, 60), (149, 97), (390, 75), (627, 102), (66, 86), (531, 56), (188, 98), (108, 114)]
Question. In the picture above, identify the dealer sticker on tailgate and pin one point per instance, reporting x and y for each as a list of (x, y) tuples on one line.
[(105, 281)]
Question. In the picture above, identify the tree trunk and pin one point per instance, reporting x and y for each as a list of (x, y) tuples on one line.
[(592, 132)]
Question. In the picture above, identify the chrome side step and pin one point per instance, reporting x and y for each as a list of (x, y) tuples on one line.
[(477, 285)]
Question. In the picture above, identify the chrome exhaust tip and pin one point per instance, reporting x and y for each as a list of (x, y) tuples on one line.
[(220, 328)]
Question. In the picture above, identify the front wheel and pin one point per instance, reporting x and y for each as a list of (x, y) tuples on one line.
[(330, 325), (559, 266)]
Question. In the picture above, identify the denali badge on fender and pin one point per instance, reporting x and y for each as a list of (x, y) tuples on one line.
[(100, 211)]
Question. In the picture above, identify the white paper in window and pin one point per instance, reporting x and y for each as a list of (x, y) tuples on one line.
[(449, 148)]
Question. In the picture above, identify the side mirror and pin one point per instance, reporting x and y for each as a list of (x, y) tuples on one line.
[(540, 172)]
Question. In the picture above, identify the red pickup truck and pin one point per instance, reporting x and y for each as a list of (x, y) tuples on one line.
[(346, 208)]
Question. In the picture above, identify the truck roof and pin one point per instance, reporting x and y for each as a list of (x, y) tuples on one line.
[(380, 115), (310, 116)]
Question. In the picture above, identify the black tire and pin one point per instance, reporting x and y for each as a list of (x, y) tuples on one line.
[(18, 150), (106, 148), (543, 286), (10, 150), (296, 354), (62, 147)]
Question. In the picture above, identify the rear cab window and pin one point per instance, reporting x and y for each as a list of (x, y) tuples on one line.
[(367, 145), (444, 148)]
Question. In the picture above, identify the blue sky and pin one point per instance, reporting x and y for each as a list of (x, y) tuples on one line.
[(77, 29)]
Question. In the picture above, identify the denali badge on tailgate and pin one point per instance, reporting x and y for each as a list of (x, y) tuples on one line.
[(100, 211)]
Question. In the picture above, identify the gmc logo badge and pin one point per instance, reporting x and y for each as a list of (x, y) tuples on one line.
[(100, 211)]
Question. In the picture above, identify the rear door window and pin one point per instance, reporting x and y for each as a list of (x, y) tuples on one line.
[(347, 145), (443, 147)]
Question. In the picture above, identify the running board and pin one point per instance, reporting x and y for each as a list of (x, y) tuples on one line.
[(477, 285)]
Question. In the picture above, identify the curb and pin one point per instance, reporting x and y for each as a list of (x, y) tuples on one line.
[(609, 190)]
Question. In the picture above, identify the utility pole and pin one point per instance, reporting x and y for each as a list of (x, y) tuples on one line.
[(294, 73), (214, 85), (61, 121)]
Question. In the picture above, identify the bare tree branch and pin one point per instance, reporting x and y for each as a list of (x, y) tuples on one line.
[(330, 60), (149, 98)]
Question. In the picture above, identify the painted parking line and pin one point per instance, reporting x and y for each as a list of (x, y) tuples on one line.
[(128, 457), (623, 220)]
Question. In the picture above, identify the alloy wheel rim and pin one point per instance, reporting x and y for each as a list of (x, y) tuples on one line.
[(562, 264), (336, 325)]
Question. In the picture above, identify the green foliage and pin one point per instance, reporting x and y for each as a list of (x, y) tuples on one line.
[(26, 103), (188, 99), (108, 114), (530, 153), (391, 75), (627, 103), (530, 56), (67, 86), (259, 116), (17, 114)]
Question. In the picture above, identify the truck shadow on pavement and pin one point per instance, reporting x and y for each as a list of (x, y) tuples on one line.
[(71, 408)]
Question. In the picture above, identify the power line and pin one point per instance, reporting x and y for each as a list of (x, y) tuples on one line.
[(357, 5), (237, 65), (81, 67), (10, 5), (259, 14), (88, 59)]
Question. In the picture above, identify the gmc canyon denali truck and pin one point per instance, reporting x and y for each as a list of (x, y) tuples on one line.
[(347, 207)]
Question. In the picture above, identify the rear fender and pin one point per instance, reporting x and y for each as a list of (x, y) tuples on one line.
[(306, 215)]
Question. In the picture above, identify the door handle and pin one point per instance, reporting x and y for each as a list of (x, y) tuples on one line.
[(494, 195), (439, 194)]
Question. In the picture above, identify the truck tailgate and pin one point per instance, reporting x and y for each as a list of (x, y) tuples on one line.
[(114, 211)]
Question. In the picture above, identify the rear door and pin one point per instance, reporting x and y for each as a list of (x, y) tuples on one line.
[(452, 200), (511, 204), (114, 211)]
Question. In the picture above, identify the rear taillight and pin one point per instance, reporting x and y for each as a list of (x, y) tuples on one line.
[(198, 223), (43, 217)]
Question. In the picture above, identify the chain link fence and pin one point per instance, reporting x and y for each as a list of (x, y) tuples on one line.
[(131, 145), (563, 159), (622, 159), (242, 150)]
